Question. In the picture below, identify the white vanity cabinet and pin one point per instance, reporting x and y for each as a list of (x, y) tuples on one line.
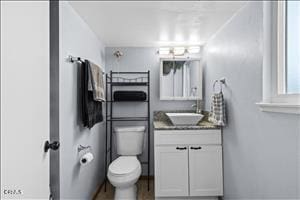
[(188, 163), (205, 169), (172, 172)]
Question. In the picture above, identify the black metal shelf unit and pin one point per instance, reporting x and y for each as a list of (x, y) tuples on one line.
[(112, 80)]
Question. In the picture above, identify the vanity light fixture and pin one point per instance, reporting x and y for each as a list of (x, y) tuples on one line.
[(178, 51)]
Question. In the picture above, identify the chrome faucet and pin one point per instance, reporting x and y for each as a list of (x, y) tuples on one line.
[(197, 105)]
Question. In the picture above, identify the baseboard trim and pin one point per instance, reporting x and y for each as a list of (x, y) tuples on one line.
[(146, 177)]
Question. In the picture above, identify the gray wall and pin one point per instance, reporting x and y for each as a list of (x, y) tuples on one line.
[(261, 149), (77, 39), (141, 59)]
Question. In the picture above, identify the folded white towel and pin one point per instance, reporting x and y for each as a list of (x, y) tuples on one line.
[(217, 114), (96, 83)]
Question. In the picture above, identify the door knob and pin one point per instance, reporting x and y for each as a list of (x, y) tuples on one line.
[(54, 145)]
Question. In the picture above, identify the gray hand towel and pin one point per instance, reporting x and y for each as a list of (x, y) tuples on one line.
[(96, 83), (91, 110), (217, 114)]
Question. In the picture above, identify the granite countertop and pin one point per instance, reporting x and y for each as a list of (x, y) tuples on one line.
[(162, 122)]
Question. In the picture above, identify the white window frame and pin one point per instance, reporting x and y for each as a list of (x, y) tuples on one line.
[(275, 98)]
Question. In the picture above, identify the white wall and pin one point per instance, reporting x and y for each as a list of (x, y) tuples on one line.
[(24, 99), (77, 39), (260, 149), (141, 59)]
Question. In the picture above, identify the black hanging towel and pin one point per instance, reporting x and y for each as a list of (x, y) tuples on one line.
[(91, 109)]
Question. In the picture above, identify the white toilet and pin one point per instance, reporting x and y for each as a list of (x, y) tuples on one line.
[(124, 171)]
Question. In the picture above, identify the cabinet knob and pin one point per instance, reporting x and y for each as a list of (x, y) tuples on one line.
[(181, 148), (196, 148)]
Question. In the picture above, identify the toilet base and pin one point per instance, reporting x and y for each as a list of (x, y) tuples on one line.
[(129, 193)]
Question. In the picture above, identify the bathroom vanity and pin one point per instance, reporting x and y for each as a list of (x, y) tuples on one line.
[(188, 159)]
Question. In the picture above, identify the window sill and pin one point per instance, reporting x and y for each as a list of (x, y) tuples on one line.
[(279, 107)]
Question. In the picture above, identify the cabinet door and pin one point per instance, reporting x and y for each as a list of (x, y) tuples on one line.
[(206, 173), (171, 171)]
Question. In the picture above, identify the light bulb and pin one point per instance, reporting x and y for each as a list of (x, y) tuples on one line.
[(179, 50), (164, 50)]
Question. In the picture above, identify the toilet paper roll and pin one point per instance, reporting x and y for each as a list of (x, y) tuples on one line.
[(86, 158)]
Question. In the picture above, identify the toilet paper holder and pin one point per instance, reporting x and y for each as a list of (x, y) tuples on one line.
[(81, 148)]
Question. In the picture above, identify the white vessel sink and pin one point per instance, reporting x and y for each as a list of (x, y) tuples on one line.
[(185, 118)]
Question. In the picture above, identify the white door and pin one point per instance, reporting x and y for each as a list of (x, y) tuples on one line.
[(171, 171), (206, 175), (24, 99)]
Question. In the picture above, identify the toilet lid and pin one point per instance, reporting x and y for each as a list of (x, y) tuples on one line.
[(124, 165), (129, 128)]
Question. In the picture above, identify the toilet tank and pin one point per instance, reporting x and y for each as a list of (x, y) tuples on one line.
[(129, 140)]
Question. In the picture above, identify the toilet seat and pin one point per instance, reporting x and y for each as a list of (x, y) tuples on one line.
[(124, 166), (124, 173)]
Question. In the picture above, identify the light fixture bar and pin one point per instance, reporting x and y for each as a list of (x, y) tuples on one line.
[(179, 51)]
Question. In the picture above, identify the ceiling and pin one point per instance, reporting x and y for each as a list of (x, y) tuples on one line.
[(156, 23)]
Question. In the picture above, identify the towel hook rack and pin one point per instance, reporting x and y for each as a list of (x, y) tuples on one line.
[(221, 82), (73, 59)]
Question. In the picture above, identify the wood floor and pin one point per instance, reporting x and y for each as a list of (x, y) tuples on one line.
[(143, 193)]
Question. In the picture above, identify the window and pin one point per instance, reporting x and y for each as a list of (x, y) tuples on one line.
[(292, 47), (281, 68), (288, 47)]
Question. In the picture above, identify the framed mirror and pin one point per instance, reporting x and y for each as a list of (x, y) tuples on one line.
[(180, 79)]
